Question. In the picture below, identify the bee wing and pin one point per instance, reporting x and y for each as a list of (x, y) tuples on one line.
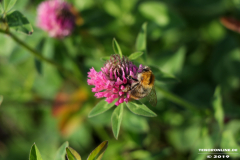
[(152, 97)]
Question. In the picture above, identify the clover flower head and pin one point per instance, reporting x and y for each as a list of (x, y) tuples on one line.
[(55, 17), (112, 81)]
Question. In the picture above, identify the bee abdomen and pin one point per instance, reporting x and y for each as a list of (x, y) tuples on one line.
[(139, 92)]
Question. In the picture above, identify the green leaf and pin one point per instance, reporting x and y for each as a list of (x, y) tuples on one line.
[(1, 99), (135, 55), (8, 4), (140, 109), (100, 108), (105, 58), (117, 119), (98, 152), (155, 11), (18, 56), (141, 42), (229, 137), (187, 135), (37, 62), (116, 47), (173, 63), (134, 123), (72, 154), (19, 22), (202, 140), (140, 154), (163, 76), (38, 65), (112, 8), (1, 8), (217, 106), (34, 153), (128, 5), (61, 151)]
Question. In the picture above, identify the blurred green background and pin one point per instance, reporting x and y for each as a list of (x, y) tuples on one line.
[(184, 38)]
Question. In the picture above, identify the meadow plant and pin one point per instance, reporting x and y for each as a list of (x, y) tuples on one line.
[(112, 82), (113, 79), (55, 17), (67, 153)]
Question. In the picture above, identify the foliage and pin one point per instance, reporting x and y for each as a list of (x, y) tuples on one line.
[(194, 58), (70, 153)]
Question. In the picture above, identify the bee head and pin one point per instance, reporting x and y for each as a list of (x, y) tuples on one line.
[(146, 69)]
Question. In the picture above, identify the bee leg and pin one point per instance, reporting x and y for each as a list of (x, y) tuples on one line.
[(131, 78), (127, 88)]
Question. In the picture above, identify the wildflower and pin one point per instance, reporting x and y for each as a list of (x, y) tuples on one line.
[(55, 17), (112, 81)]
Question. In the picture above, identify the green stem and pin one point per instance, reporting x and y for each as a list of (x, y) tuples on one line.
[(178, 100), (39, 55)]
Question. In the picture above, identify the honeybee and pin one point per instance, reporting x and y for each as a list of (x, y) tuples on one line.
[(144, 86)]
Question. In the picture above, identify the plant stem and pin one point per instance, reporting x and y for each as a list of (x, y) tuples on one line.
[(39, 55), (178, 100)]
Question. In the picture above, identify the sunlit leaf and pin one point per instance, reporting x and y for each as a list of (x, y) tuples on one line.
[(34, 153), (141, 154), (202, 140), (155, 11), (1, 8), (8, 4), (163, 76), (101, 107), (141, 42), (72, 154), (1, 99), (117, 119), (116, 47), (229, 137), (128, 5), (174, 62), (135, 55), (112, 8), (140, 109), (61, 151), (19, 22), (98, 152), (217, 106)]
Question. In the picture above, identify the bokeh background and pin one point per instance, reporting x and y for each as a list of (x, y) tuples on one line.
[(184, 38)]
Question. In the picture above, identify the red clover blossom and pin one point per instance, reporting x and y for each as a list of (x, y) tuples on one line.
[(55, 17), (112, 82)]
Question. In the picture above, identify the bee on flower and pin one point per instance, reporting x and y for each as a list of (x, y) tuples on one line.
[(121, 79)]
